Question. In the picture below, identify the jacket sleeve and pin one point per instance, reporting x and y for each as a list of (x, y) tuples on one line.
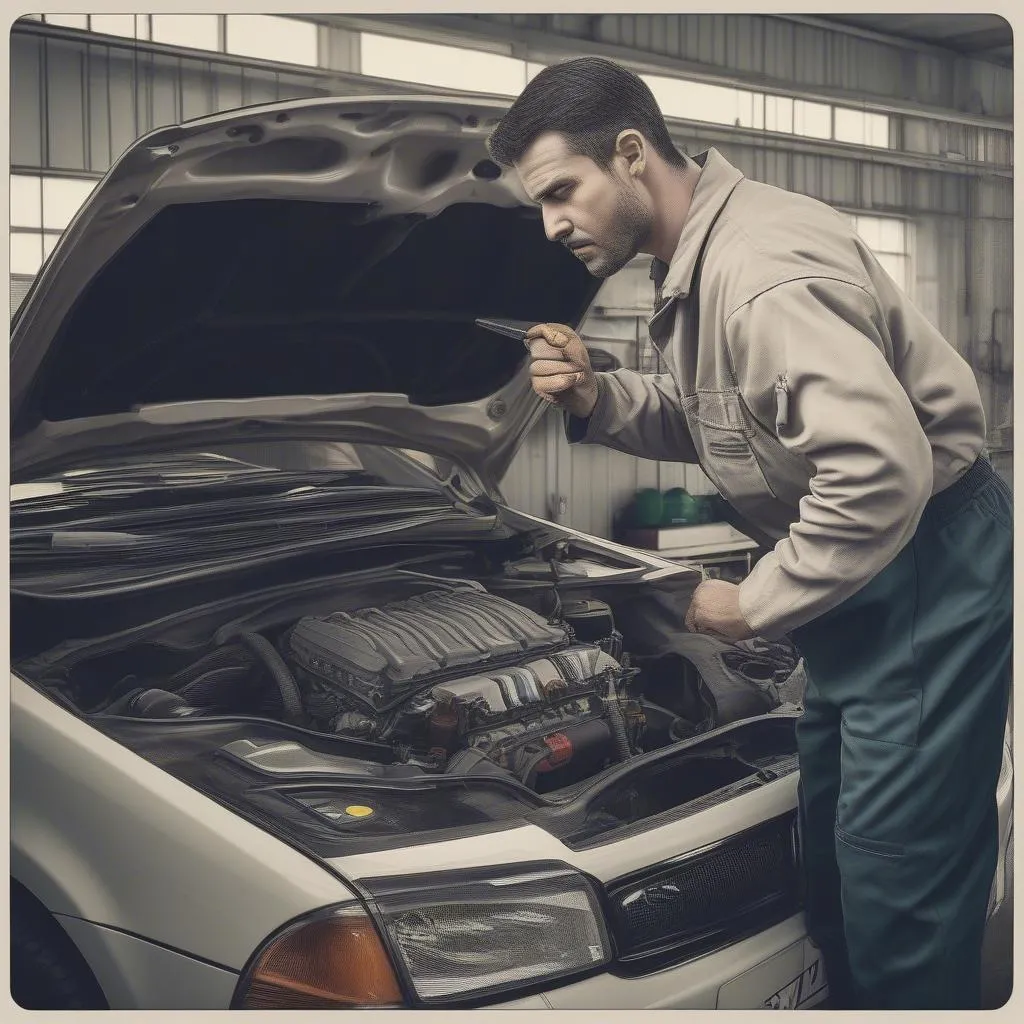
[(639, 414), (825, 342)]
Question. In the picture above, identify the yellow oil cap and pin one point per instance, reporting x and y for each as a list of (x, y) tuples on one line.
[(358, 811)]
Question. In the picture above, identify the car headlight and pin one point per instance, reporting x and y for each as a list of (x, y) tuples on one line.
[(453, 938), (462, 936)]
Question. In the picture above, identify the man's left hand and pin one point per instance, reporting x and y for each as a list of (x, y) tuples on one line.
[(715, 610)]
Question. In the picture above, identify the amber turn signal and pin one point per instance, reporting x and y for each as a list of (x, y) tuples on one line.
[(328, 962)]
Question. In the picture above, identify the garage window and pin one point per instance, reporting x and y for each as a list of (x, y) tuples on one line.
[(448, 67), (778, 114), (26, 252), (194, 31), (268, 37), (701, 101), (41, 208), (26, 201), (263, 36), (813, 120), (130, 26), (741, 108), (62, 198), (861, 128), (889, 238), (68, 20)]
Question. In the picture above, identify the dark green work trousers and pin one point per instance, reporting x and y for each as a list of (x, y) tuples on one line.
[(900, 748)]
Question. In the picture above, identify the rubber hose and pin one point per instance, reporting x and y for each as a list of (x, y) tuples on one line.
[(129, 684), (118, 705), (617, 721), (221, 657), (207, 686), (267, 653)]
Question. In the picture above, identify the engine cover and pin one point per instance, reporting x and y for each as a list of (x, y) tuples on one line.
[(464, 679), (376, 656)]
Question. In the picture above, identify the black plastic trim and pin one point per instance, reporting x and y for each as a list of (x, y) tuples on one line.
[(712, 938), (678, 955), (653, 871)]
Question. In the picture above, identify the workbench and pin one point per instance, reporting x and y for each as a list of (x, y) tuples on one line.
[(704, 544)]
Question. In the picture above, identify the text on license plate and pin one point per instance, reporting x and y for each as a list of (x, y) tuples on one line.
[(799, 991)]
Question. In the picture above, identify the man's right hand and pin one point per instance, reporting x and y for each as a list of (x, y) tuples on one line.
[(560, 369)]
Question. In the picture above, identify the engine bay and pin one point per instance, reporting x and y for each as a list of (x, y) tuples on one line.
[(446, 677)]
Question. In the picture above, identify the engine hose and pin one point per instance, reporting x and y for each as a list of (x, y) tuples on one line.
[(616, 719), (267, 653), (206, 687), (128, 685), (118, 705), (221, 657)]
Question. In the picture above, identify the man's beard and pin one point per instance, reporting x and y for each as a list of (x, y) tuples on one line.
[(632, 225)]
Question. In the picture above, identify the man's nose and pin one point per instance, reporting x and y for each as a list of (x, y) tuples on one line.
[(556, 226)]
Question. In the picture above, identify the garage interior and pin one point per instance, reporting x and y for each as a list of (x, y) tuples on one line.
[(903, 122)]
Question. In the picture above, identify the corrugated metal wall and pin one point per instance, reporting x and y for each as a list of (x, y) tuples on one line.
[(586, 487), (77, 106)]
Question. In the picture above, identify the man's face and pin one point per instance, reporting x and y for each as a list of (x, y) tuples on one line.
[(596, 213)]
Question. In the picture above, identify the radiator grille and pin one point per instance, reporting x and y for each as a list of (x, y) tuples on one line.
[(708, 899)]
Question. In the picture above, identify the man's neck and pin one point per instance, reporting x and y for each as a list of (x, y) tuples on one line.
[(672, 193)]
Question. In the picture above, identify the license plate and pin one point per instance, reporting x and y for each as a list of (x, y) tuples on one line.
[(799, 991)]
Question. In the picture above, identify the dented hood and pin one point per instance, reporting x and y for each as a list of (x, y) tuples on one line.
[(300, 270)]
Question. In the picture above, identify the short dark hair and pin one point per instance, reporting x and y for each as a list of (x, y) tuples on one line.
[(588, 101)]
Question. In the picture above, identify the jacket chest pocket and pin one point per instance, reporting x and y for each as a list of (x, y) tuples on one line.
[(722, 433)]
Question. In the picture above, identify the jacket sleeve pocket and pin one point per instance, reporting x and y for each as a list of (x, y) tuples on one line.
[(729, 459)]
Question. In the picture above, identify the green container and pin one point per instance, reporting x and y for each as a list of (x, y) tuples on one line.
[(680, 508), (648, 508)]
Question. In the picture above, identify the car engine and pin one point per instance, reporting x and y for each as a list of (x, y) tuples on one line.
[(464, 680)]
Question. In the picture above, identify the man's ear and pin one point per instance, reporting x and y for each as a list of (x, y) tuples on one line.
[(631, 146)]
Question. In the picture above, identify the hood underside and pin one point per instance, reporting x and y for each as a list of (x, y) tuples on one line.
[(308, 269)]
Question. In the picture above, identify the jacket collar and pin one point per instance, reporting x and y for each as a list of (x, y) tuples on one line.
[(717, 180)]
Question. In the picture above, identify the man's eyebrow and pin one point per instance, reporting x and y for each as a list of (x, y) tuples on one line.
[(554, 186)]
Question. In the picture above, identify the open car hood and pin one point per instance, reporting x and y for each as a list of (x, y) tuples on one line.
[(308, 269)]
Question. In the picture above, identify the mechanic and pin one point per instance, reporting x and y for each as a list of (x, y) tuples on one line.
[(848, 435)]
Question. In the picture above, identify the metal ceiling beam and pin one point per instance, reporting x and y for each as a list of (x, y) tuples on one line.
[(979, 40), (838, 23)]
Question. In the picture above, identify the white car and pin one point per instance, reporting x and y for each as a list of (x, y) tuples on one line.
[(303, 714)]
